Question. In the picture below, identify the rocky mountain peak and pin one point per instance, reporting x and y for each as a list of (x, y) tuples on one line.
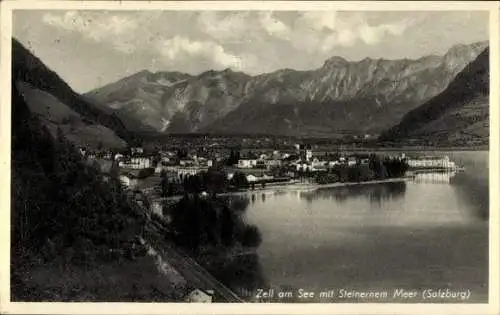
[(335, 61)]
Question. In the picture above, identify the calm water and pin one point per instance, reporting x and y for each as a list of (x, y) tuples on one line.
[(431, 233)]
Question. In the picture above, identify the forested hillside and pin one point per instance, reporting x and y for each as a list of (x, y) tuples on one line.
[(72, 233)]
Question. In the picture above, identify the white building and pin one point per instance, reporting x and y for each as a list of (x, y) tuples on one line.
[(247, 163), (136, 163), (318, 165), (251, 178), (137, 150), (432, 162), (185, 171), (303, 167), (199, 296), (309, 155), (333, 163), (128, 182), (351, 161)]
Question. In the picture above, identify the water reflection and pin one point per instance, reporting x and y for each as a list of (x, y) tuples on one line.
[(474, 192), (435, 177), (241, 273), (238, 203), (376, 193)]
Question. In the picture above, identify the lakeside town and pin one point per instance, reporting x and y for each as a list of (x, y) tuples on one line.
[(160, 175)]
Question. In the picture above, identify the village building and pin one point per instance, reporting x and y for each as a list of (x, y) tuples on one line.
[(251, 178), (179, 172), (352, 160), (304, 167), (136, 162), (273, 163), (200, 296), (309, 155), (432, 162), (333, 163), (317, 165), (136, 150), (128, 181), (247, 163)]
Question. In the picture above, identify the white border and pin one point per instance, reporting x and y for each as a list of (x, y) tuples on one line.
[(250, 308)]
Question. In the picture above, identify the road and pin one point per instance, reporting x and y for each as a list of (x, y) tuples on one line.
[(189, 269), (197, 276)]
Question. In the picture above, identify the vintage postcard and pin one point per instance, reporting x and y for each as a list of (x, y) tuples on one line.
[(256, 157)]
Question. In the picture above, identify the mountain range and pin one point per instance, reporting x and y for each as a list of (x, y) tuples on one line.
[(433, 100), (341, 97)]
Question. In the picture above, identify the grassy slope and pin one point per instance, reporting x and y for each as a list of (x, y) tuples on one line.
[(76, 127), (29, 69)]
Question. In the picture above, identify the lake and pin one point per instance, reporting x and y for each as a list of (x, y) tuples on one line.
[(431, 233)]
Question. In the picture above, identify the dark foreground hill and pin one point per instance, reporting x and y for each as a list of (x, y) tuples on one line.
[(457, 116), (73, 235)]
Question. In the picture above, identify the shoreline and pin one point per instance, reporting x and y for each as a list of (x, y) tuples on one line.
[(300, 187)]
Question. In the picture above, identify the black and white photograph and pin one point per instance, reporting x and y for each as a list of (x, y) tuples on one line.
[(260, 155)]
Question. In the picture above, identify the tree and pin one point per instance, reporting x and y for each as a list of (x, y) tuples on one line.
[(114, 172), (215, 180), (239, 180), (234, 157), (182, 154), (164, 184), (251, 236)]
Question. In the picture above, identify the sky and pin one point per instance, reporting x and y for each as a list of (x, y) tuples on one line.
[(89, 49)]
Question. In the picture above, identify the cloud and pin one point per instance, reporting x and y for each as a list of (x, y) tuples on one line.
[(180, 47), (319, 20), (250, 41), (326, 30), (231, 27), (346, 37), (115, 29), (373, 34), (95, 28), (273, 26)]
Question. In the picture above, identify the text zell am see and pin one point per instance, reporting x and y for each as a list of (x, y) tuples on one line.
[(426, 294)]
